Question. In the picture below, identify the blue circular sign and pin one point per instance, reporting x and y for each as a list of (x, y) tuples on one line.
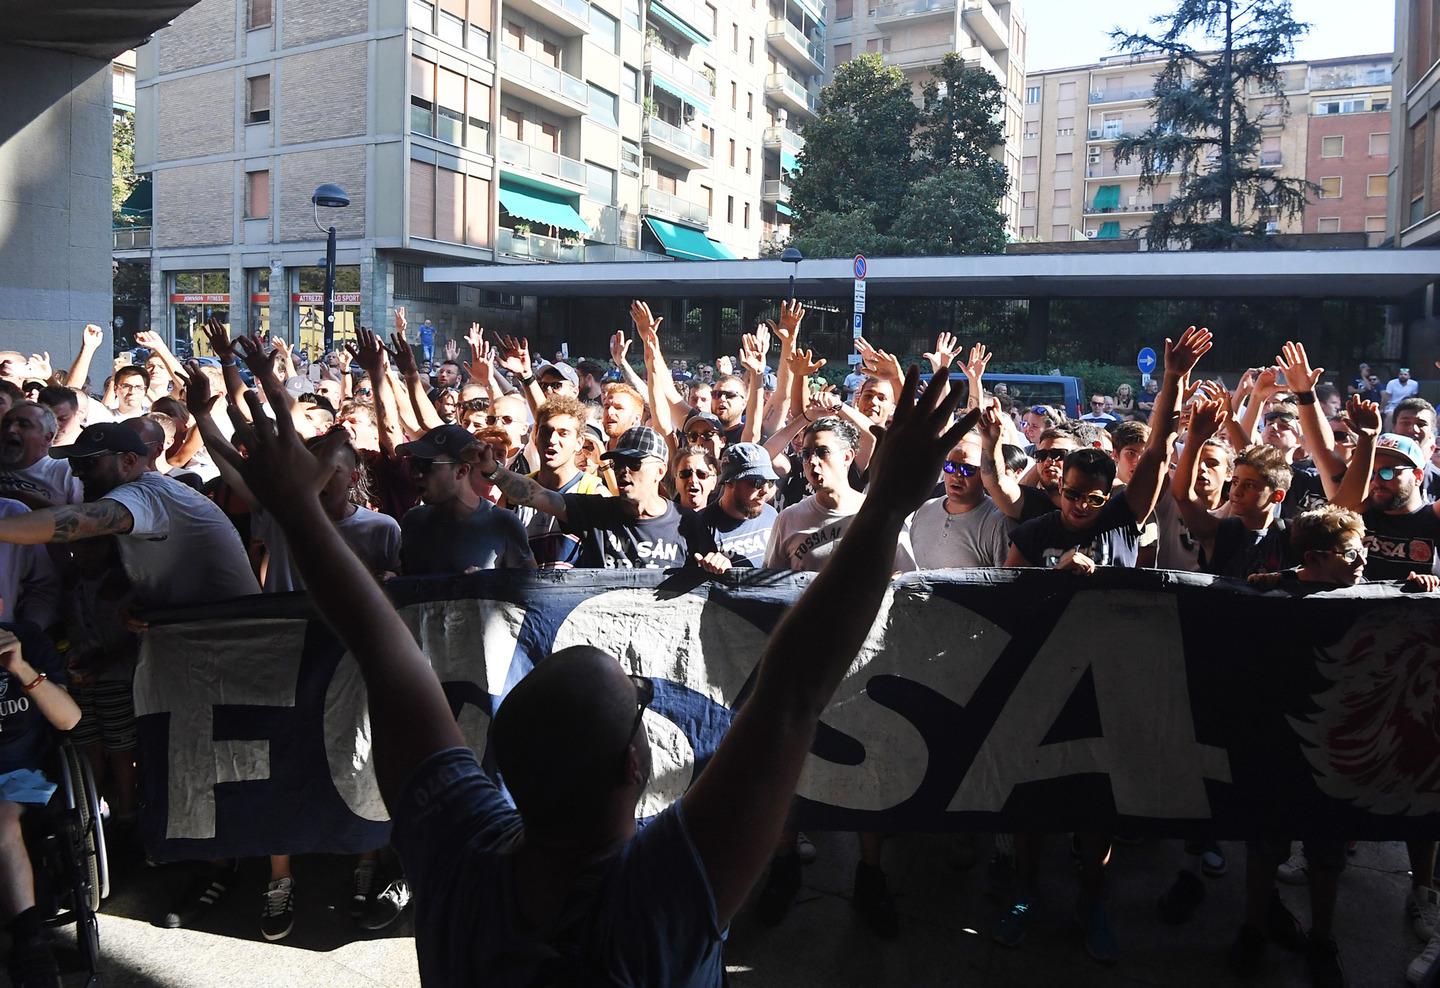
[(1146, 360), (859, 267)]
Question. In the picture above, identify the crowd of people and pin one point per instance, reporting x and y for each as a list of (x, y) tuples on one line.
[(370, 463)]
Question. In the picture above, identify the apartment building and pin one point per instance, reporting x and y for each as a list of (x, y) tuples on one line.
[(1072, 187), (916, 34), (463, 131), (1414, 215)]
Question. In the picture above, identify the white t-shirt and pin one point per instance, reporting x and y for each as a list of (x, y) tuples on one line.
[(1176, 548), (806, 534), (1396, 392), (374, 537), (182, 549), (47, 482), (940, 540)]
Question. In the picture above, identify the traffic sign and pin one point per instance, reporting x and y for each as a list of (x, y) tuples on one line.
[(1146, 360), (859, 324), (859, 296), (860, 267)]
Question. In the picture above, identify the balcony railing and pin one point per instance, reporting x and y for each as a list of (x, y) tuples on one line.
[(1139, 206), (691, 144), (775, 190), (690, 12), (538, 248), (1272, 157), (661, 62), (614, 252), (130, 238), (1118, 95), (1111, 133), (781, 86), (791, 38), (522, 68), (523, 157), (782, 137), (898, 9), (660, 203)]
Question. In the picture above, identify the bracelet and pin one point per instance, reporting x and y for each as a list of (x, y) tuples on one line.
[(1304, 397), (232, 362), (493, 473), (527, 380), (39, 678)]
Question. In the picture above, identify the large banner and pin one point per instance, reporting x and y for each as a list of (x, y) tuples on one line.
[(1004, 700)]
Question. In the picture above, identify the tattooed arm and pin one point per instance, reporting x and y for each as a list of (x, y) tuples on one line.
[(68, 523), (517, 488)]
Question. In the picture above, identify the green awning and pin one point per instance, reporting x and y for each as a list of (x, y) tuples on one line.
[(665, 17), (1109, 231), (547, 209), (680, 94), (687, 244), (783, 209), (788, 161), (1107, 197), (141, 200)]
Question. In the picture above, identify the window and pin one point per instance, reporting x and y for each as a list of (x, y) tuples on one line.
[(1032, 94), (1374, 224), (449, 206), (422, 200), (478, 104), (1328, 224), (512, 124), (1379, 103), (604, 29), (1065, 125), (1380, 145), (709, 200), (1027, 200), (1060, 231), (630, 76), (630, 159), (707, 137), (259, 100), (842, 53), (1062, 199), (844, 9), (261, 14), (734, 96), (450, 108), (1332, 147), (729, 209), (1063, 162), (746, 214), (708, 71), (451, 28), (604, 106), (749, 106), (735, 37), (1415, 176), (747, 162), (631, 12), (714, 19), (752, 51), (1027, 233), (1029, 164), (477, 39), (599, 182), (1067, 90), (1330, 188), (422, 15), (477, 211), (257, 195), (1377, 186), (732, 152), (514, 36)]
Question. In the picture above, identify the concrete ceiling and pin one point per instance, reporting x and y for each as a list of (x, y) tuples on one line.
[(94, 28)]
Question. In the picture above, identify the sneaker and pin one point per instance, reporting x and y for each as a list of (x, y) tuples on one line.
[(32, 964), (780, 887), (804, 848), (1424, 961), (1247, 953), (1322, 957), (1010, 931), (1296, 870), (1099, 940), (278, 915), (1422, 908), (1282, 927), (367, 886), (874, 901), (207, 888), (388, 905), (1212, 860), (1181, 899)]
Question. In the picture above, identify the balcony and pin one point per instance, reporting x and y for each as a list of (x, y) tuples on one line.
[(691, 13), (659, 62), (782, 138), (615, 252), (568, 18), (980, 55), (913, 11), (538, 248), (985, 24), (675, 145), (1271, 159), (916, 59), (790, 41), (790, 94), (544, 85), (1123, 96), (130, 238), (518, 157), (653, 202), (1108, 133), (1132, 205), (775, 190)]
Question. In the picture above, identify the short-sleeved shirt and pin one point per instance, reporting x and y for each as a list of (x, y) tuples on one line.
[(552, 546), (612, 538), (1113, 539), (744, 540), (374, 537), (1241, 551), (941, 540), (805, 535), (643, 917), (180, 531), (434, 542), (1396, 392), (29, 585), (46, 483), (1401, 544), (1306, 491), (24, 732), (1035, 503)]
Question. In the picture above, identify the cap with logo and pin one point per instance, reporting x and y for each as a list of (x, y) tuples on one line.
[(100, 438), (640, 442), (1403, 447), (443, 440), (746, 461), (563, 369), (713, 421)]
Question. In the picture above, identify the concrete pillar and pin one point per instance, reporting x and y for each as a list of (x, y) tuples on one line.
[(1037, 330)]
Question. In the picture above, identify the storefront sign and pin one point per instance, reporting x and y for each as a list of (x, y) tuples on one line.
[(318, 298), (201, 298)]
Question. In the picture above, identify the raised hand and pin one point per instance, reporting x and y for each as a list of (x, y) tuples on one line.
[(1182, 356), (264, 366), (822, 403), (452, 350), (218, 336), (475, 335), (879, 363), (1207, 418), (787, 330), (908, 454), (752, 357), (1299, 375), (282, 474), (619, 346), (1267, 384), (992, 430), (515, 355), (400, 323), (121, 361), (40, 366), (369, 353), (803, 363), (945, 352), (725, 365), (199, 400), (482, 362), (91, 336), (151, 340), (1363, 417), (404, 356), (647, 324)]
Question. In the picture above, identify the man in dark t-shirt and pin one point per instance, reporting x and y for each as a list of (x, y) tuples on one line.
[(740, 520)]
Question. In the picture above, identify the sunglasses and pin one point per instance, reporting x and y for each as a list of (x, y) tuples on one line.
[(1349, 555), (701, 437), (1092, 498), (963, 469), (363, 392), (627, 462), (823, 452), (644, 696), (552, 384), (727, 395), (687, 473), (1050, 454), (500, 420), (1388, 474), (476, 404), (1344, 437)]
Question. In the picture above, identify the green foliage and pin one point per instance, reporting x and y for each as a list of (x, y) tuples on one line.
[(960, 124), (952, 212), (1203, 126), (122, 165)]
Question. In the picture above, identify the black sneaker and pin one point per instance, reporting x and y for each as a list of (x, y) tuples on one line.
[(388, 906), (33, 965), (781, 885), (1181, 899), (1282, 926), (1322, 957), (367, 886), (1247, 953), (874, 901), (206, 888), (277, 916)]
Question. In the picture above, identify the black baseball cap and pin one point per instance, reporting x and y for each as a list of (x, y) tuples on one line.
[(102, 437), (440, 441)]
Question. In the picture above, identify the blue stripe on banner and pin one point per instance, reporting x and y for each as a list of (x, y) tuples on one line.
[(1005, 700)]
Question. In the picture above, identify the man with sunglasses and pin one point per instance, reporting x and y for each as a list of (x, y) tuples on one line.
[(728, 396), (1097, 412), (706, 431), (558, 380), (963, 527), (741, 519)]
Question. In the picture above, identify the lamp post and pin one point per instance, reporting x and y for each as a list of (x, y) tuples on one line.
[(793, 257), (331, 196)]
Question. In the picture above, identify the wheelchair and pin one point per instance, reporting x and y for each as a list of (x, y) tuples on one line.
[(66, 841)]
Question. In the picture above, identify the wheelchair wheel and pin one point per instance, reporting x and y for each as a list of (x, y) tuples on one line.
[(89, 841)]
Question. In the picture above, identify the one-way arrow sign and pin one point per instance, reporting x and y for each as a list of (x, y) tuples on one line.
[(1146, 360)]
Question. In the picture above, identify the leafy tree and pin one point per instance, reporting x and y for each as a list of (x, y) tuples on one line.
[(960, 124), (836, 234), (952, 212), (122, 164), (1203, 126)]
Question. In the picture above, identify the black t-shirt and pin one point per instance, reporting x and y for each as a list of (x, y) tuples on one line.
[(1240, 551), (1401, 544), (1306, 491), (1113, 540), (744, 540), (612, 539), (1430, 483), (1035, 503), (25, 735)]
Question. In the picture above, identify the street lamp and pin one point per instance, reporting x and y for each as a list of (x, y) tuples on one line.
[(331, 196), (792, 256)]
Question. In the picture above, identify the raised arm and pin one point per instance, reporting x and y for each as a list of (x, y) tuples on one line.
[(201, 405), (370, 355), (878, 363), (67, 523), (515, 358), (517, 488), (736, 808), (156, 344), (947, 348), (1181, 357), (1319, 441), (221, 345), (1002, 485), (425, 414), (753, 347), (90, 340), (1363, 417), (1206, 419), (787, 332)]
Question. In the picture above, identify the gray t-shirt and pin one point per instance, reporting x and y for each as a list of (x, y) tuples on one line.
[(941, 540), (806, 534), (488, 538), (46, 483), (374, 537)]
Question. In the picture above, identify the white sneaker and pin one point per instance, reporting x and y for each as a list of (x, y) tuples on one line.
[(1295, 871), (1422, 964), (1422, 909)]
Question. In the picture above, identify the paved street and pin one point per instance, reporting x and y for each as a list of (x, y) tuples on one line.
[(947, 916)]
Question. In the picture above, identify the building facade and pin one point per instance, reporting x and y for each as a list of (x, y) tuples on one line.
[(463, 131), (916, 34), (1072, 187), (1414, 217)]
